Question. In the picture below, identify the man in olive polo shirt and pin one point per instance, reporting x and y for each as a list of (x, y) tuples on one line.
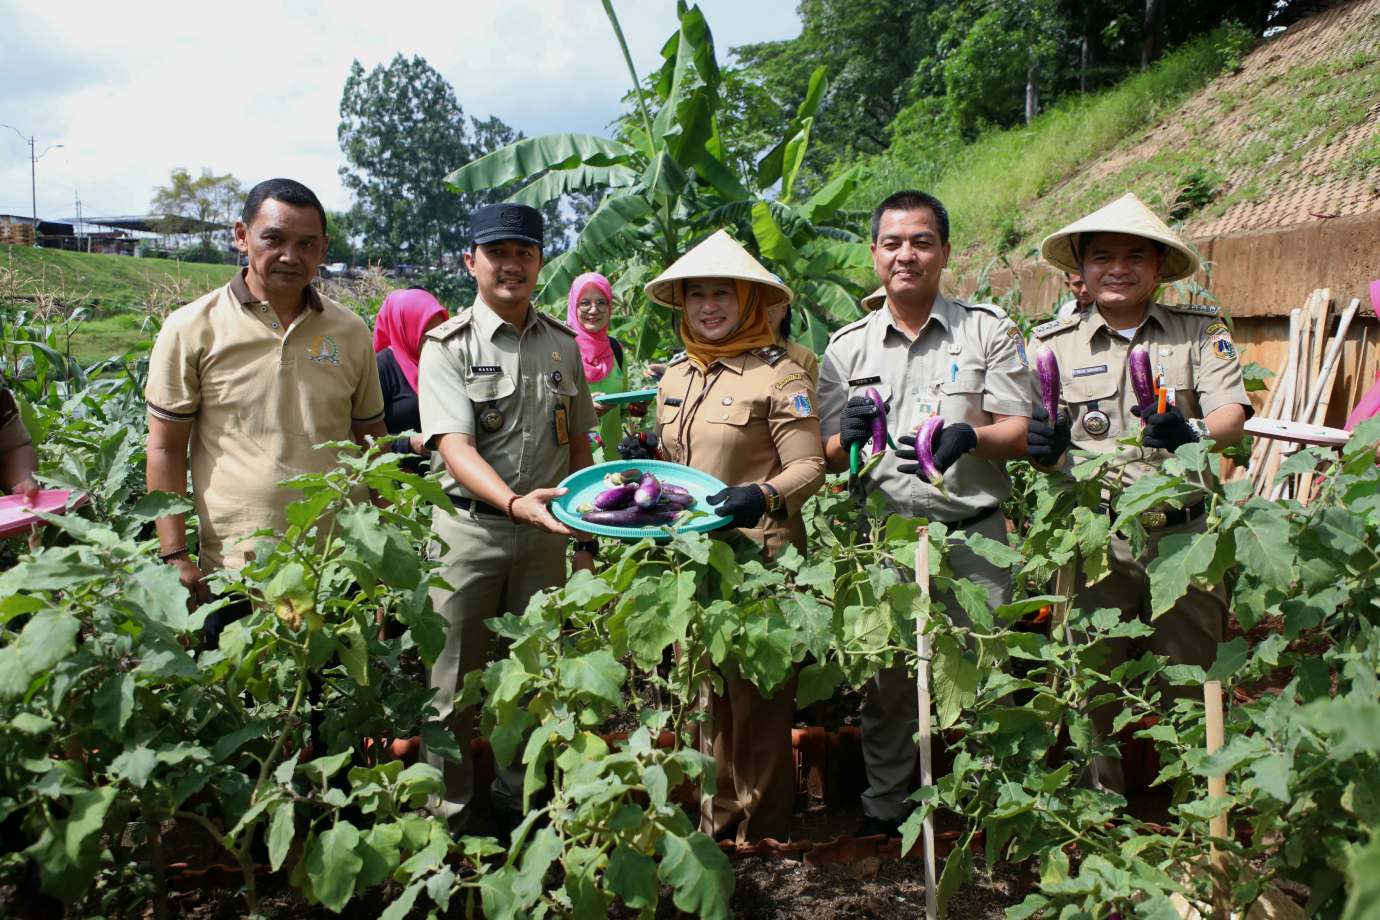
[(505, 402), (252, 376)]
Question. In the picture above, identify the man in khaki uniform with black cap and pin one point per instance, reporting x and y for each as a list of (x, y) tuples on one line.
[(1124, 253), (927, 354), (504, 401)]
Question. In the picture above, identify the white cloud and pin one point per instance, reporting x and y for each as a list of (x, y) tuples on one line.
[(135, 90)]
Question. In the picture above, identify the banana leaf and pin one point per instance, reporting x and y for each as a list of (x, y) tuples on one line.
[(525, 158)]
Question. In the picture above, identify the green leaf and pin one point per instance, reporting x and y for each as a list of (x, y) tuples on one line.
[(664, 175), (817, 682), (955, 680), (720, 177), (999, 554), (826, 202), (770, 239), (281, 831), (698, 872), (541, 850), (114, 702), (597, 673), (382, 546), (47, 639), (581, 178), (332, 865), (632, 876), (1231, 657), (135, 766), (1181, 559), (439, 739), (353, 652), (532, 155), (1264, 546)]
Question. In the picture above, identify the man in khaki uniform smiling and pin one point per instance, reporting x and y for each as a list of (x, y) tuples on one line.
[(1124, 253), (504, 401), (927, 354)]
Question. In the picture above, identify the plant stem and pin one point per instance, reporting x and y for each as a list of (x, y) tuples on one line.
[(160, 884), (637, 85)]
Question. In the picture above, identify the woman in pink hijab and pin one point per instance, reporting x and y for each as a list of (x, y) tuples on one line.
[(588, 311), (403, 320)]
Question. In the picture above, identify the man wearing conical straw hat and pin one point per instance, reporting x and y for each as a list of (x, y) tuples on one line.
[(735, 406), (1124, 253), (928, 356)]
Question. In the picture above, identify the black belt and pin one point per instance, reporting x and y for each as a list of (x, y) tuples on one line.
[(1171, 518), (466, 504), (967, 522)]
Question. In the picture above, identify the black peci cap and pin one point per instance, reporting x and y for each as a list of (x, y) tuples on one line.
[(506, 222)]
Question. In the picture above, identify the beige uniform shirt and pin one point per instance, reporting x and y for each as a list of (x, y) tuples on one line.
[(259, 398), (13, 433), (1190, 347), (967, 364), (749, 419), (806, 358), (481, 376)]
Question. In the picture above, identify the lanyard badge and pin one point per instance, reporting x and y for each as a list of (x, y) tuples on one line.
[(560, 425)]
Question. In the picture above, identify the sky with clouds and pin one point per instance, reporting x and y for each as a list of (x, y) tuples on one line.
[(135, 90)]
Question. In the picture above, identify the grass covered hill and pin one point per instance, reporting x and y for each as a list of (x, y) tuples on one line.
[(113, 284)]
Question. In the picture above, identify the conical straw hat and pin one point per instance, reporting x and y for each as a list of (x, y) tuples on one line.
[(1127, 214), (873, 302), (720, 256)]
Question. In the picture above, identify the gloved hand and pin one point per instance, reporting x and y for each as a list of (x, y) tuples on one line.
[(855, 424), (1044, 445), (632, 448), (954, 441), (745, 504), (1167, 430)]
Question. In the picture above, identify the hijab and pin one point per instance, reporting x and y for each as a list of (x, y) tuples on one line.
[(399, 326), (753, 329), (595, 350)]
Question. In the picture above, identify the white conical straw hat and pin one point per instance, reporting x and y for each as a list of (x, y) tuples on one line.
[(873, 302), (1127, 214), (720, 256)]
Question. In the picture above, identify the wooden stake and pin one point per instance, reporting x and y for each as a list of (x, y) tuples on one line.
[(1269, 461), (1217, 786), (1321, 399), (922, 690)]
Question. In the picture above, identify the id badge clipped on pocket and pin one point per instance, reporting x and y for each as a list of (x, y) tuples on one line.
[(559, 424)]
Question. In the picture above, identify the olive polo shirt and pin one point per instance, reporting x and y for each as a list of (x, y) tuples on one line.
[(482, 376), (259, 398)]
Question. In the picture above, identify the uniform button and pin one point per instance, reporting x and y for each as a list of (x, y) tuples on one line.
[(728, 401), (725, 416), (915, 389), (1179, 382), (275, 325), (1089, 391), (263, 309)]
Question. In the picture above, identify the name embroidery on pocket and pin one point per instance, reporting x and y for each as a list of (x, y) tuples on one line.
[(1089, 371)]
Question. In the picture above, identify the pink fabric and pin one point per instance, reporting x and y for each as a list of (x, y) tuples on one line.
[(399, 326), (595, 350)]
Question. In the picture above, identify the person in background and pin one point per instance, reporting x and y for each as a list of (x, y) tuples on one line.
[(1126, 253), (927, 354), (588, 311), (247, 381), (18, 459), (735, 406), (400, 328), (780, 318), (1082, 300)]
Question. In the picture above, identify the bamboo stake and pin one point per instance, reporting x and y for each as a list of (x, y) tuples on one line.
[(1270, 459), (922, 689), (1322, 394), (1354, 396), (1267, 446), (1219, 826)]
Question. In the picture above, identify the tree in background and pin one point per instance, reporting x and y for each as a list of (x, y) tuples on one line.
[(206, 205)]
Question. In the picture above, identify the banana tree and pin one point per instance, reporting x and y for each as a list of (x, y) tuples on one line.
[(667, 184)]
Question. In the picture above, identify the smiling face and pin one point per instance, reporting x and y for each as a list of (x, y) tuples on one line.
[(593, 309), (909, 256), (505, 271), (1121, 270), (711, 307), (285, 246)]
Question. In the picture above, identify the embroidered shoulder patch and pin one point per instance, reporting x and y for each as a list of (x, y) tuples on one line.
[(787, 379), (1201, 309), (1015, 334), (1217, 329), (1223, 347), (800, 404), (1054, 325)]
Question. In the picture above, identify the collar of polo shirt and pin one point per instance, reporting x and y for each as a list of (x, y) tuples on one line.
[(1097, 321), (240, 288)]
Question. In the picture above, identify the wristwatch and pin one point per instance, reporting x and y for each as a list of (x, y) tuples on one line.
[(774, 499), (587, 546), (1199, 428)]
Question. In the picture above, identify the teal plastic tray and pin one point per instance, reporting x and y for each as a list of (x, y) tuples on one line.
[(619, 399), (589, 482)]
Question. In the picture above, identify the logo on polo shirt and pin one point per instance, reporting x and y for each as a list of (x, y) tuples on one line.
[(323, 348)]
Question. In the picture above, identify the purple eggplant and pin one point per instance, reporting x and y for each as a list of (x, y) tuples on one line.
[(1142, 381), (648, 491), (617, 497), (623, 477), (631, 517), (670, 488), (925, 437), (675, 501), (1048, 369), (878, 421)]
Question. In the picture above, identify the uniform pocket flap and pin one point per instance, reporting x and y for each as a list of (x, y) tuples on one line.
[(963, 382), (730, 415), (1178, 375), (884, 389), (484, 387), (1091, 387)]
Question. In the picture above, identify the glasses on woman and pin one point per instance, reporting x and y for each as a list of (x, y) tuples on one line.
[(600, 305)]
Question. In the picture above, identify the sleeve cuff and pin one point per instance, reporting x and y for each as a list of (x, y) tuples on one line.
[(1210, 406), (1006, 406), (368, 421), (172, 416)]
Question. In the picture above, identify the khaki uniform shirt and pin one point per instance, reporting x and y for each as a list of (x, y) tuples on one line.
[(1190, 346), (967, 364), (750, 419), (476, 368), (13, 433), (806, 358), (259, 398)]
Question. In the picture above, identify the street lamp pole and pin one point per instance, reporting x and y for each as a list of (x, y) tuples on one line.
[(33, 170)]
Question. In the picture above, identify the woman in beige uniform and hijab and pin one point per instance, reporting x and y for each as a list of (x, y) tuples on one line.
[(734, 405)]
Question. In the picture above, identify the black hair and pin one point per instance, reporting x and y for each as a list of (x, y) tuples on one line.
[(785, 325), (912, 200), (1085, 243), (288, 191)]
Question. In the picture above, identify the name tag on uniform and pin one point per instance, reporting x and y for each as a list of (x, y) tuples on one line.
[(673, 400), (485, 369), (1089, 371), (864, 381)]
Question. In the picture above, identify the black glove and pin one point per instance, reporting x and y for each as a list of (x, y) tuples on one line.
[(1167, 430), (745, 504), (1045, 445), (855, 424), (632, 448), (954, 441)]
